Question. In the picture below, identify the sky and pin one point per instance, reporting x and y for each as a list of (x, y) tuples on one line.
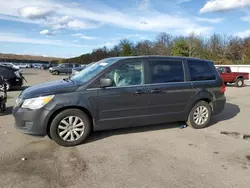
[(65, 28)]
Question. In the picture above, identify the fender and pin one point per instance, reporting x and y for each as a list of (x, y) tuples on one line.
[(240, 76), (200, 95)]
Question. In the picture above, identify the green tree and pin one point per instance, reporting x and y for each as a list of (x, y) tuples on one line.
[(180, 48), (126, 47)]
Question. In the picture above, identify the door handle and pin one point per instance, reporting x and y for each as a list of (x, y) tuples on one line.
[(139, 92), (156, 91)]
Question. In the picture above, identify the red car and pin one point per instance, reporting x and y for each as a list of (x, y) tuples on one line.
[(238, 78)]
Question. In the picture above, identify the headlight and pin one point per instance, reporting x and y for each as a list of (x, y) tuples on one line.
[(36, 103)]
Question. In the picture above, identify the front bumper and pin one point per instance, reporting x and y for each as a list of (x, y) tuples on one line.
[(32, 122)]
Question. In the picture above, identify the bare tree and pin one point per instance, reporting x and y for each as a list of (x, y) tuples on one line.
[(144, 48)]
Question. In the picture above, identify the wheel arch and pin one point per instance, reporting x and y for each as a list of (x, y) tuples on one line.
[(239, 77), (54, 114), (201, 96)]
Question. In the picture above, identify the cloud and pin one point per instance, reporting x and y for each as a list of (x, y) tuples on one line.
[(15, 38), (147, 20), (246, 17), (82, 36), (144, 5), (61, 14), (47, 32), (142, 37), (41, 12), (209, 20), (109, 44), (36, 12), (17, 19), (197, 31), (223, 5), (183, 1), (243, 34)]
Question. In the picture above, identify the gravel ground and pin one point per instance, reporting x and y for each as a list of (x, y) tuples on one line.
[(151, 156)]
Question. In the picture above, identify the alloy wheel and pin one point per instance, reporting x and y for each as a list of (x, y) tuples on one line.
[(71, 128), (201, 115)]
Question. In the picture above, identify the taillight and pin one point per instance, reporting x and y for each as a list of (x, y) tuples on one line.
[(17, 73), (223, 88)]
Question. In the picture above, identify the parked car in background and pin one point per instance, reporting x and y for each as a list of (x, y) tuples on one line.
[(22, 65), (45, 66), (237, 78), (78, 69), (52, 65), (122, 92), (65, 68), (11, 65), (13, 78), (37, 66)]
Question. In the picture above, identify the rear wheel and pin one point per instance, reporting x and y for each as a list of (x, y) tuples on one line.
[(8, 86), (239, 82), (200, 115), (70, 127)]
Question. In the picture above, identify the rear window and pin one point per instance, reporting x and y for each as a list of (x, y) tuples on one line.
[(201, 70), (4, 70), (166, 71)]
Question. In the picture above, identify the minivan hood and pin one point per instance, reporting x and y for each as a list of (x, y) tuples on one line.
[(49, 88)]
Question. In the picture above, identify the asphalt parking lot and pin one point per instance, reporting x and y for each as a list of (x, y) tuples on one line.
[(151, 156)]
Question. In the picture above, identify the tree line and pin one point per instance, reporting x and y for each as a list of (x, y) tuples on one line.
[(222, 49)]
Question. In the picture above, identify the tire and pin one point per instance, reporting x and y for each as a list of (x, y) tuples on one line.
[(65, 115), (225, 83), (55, 73), (8, 86), (49, 136), (239, 82), (191, 119)]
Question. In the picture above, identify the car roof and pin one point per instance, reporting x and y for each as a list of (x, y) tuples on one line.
[(157, 56)]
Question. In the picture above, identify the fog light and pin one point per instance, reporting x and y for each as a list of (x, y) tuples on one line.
[(28, 125)]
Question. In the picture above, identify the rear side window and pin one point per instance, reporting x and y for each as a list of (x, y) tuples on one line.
[(166, 71), (201, 71)]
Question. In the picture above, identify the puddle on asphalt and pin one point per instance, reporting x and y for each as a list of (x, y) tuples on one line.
[(46, 162), (236, 135), (248, 157)]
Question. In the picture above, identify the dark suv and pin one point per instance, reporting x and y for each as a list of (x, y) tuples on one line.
[(122, 92), (12, 78)]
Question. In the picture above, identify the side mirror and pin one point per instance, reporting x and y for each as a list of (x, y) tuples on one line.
[(105, 82)]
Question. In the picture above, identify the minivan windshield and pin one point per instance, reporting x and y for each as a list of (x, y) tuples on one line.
[(92, 70)]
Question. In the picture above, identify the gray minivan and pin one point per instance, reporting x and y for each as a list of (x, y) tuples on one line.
[(122, 92)]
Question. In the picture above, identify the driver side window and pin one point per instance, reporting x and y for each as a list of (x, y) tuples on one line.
[(127, 74)]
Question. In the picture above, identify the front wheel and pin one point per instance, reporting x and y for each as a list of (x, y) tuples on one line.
[(200, 115), (70, 127), (239, 82), (55, 73)]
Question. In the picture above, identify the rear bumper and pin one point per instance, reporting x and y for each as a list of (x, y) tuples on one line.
[(219, 105), (16, 82)]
